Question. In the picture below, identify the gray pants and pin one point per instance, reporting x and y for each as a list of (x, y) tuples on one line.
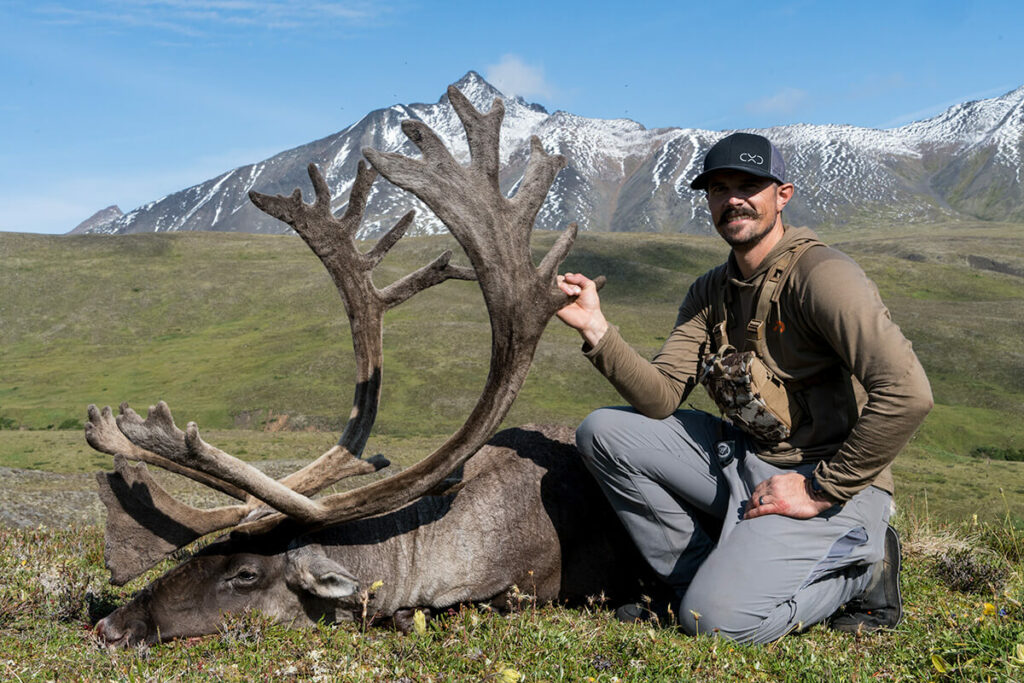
[(754, 580)]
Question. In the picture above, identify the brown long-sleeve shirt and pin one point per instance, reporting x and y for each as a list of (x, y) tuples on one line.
[(831, 324)]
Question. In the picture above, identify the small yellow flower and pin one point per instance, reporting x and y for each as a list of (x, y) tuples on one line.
[(376, 586), (509, 676), (419, 622), (988, 609)]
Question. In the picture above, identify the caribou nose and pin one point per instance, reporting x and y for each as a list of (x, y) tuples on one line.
[(108, 632)]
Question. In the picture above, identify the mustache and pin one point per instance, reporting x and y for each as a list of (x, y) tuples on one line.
[(736, 213)]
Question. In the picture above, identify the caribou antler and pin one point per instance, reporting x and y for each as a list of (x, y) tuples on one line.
[(333, 241), (133, 495), (495, 232)]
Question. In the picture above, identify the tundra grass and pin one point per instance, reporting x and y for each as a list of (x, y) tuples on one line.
[(247, 331), (243, 330), (236, 330), (52, 592)]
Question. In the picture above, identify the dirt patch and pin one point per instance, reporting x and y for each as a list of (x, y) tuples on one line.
[(270, 421), (31, 498)]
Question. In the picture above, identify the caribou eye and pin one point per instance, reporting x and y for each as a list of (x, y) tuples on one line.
[(245, 577)]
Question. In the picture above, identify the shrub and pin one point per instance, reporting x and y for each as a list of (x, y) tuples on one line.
[(997, 453), (68, 591), (971, 571)]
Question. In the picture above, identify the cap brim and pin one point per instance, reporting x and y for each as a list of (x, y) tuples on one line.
[(700, 182)]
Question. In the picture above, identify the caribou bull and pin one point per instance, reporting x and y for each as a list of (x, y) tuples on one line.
[(522, 512)]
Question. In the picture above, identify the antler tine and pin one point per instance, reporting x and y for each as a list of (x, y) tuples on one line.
[(390, 238), (358, 194), (427, 276), (103, 434), (482, 132), (538, 177)]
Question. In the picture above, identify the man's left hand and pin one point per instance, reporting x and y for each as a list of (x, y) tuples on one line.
[(789, 495)]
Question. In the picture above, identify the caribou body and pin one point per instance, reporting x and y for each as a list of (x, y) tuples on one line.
[(523, 513)]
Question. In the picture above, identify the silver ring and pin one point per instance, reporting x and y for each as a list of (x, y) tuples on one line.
[(760, 500)]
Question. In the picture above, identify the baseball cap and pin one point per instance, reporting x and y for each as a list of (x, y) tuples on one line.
[(742, 152)]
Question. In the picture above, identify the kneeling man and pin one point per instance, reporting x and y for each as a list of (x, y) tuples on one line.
[(777, 517)]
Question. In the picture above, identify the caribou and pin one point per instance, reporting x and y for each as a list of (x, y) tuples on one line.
[(469, 522)]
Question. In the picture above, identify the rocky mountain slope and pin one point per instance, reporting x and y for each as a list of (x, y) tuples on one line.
[(98, 221), (965, 162)]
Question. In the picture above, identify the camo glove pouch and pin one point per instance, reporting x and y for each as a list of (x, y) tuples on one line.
[(749, 394)]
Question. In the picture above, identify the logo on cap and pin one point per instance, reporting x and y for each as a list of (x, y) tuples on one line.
[(752, 158)]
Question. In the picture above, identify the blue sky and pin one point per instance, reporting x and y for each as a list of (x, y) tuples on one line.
[(124, 101)]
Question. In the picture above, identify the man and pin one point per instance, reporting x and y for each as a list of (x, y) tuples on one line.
[(759, 537)]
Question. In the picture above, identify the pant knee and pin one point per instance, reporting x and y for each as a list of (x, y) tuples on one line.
[(591, 435), (708, 615)]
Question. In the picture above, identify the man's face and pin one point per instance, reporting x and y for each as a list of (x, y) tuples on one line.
[(745, 207)]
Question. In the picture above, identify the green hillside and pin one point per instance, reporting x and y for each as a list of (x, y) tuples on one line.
[(237, 330)]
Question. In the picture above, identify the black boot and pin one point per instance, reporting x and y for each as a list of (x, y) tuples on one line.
[(880, 606), (653, 611)]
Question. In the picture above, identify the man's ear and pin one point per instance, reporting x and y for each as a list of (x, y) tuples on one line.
[(308, 569), (783, 195)]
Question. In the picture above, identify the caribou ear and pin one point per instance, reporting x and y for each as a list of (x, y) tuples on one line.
[(310, 570)]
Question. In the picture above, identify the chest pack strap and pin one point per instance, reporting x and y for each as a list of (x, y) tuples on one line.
[(767, 298)]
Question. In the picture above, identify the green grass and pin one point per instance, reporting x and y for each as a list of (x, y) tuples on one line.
[(243, 330), (246, 330), (51, 591), (223, 326)]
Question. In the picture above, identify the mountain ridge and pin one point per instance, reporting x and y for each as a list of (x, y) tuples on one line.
[(623, 177)]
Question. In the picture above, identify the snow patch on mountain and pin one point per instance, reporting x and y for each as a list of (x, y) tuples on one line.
[(623, 176)]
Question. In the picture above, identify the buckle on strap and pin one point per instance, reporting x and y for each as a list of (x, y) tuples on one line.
[(725, 451)]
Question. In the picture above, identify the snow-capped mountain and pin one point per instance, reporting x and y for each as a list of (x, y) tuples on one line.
[(965, 162), (98, 221)]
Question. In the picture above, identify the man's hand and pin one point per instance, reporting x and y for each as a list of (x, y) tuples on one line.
[(789, 495), (584, 313)]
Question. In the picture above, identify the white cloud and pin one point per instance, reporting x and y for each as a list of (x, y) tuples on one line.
[(195, 18), (785, 101), (513, 76)]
